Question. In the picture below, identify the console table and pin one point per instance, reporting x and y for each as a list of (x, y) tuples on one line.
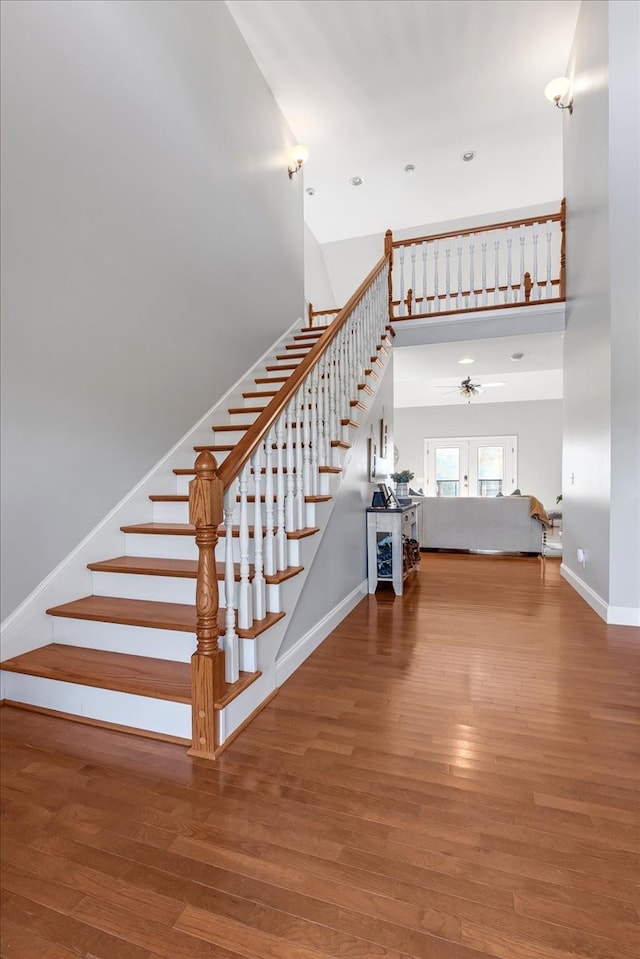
[(385, 555)]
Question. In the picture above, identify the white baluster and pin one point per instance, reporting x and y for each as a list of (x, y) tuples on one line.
[(290, 505), (483, 246), (244, 591), (459, 297), (522, 270), (259, 585), (473, 299), (535, 290), (269, 520), (436, 257), (424, 308), (496, 266), (508, 296), (549, 287), (300, 517), (334, 420), (314, 430), (231, 657), (447, 253), (402, 307), (281, 534), (306, 433), (413, 272)]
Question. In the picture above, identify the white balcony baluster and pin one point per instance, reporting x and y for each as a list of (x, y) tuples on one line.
[(231, 657)]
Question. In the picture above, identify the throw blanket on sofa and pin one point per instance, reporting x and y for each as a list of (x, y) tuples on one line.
[(538, 511)]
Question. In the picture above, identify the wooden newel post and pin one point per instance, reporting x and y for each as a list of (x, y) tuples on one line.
[(388, 251), (527, 287), (207, 663)]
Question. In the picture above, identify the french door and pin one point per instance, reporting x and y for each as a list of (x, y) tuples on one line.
[(471, 465)]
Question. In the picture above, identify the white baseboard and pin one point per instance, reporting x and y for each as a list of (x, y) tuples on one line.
[(623, 616), (294, 657), (612, 615)]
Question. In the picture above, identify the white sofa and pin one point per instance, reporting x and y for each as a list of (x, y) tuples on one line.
[(501, 523)]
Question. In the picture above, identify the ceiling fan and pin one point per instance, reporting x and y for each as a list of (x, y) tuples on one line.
[(468, 389)]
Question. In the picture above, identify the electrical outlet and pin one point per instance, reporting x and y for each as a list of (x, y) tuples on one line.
[(582, 557)]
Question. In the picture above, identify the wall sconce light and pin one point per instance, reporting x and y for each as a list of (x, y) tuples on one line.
[(298, 155), (556, 90)]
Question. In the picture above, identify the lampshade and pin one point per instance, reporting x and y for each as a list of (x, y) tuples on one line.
[(299, 154), (556, 89)]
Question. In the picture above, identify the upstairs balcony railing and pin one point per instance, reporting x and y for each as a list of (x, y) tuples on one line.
[(501, 266), (517, 263)]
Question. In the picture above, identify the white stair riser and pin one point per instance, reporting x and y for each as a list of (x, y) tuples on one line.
[(158, 589), (103, 705), (170, 512), (157, 546), (171, 644)]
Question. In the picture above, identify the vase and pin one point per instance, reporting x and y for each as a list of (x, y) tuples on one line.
[(402, 490)]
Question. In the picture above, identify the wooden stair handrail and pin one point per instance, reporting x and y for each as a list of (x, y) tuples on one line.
[(243, 451), (474, 231)]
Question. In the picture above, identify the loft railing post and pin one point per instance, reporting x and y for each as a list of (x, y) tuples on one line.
[(388, 251), (207, 663), (563, 249), (527, 287)]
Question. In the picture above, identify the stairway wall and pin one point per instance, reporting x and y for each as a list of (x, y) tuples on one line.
[(152, 249), (340, 564)]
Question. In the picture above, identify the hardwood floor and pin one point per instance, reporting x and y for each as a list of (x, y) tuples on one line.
[(452, 775)]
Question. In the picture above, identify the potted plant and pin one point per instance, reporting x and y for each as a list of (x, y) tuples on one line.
[(402, 479)]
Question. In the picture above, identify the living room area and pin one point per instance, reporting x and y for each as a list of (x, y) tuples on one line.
[(478, 421)]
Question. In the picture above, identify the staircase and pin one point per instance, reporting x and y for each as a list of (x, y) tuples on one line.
[(121, 657)]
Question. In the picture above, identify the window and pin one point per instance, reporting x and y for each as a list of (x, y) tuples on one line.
[(471, 466)]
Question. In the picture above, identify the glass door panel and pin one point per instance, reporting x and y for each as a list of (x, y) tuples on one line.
[(490, 463), (447, 460)]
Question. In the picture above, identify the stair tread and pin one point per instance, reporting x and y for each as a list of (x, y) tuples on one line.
[(144, 612), (251, 393), (139, 675), (281, 366), (185, 529), (245, 410), (181, 568), (231, 427), (290, 356), (272, 379)]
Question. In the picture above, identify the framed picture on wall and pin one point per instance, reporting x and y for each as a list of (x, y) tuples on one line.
[(373, 458), (384, 439)]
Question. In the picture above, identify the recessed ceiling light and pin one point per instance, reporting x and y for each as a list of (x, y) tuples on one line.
[(466, 359), (310, 191), (356, 181), (468, 156), (410, 168), (516, 356)]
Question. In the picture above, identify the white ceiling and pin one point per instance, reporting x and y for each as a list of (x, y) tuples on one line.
[(428, 375), (372, 85)]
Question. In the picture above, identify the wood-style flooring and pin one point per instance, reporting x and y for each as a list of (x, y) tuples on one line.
[(452, 775)]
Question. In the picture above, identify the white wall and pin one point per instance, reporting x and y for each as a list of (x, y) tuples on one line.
[(340, 565), (152, 248), (601, 355), (538, 426), (624, 239), (349, 261), (317, 285)]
